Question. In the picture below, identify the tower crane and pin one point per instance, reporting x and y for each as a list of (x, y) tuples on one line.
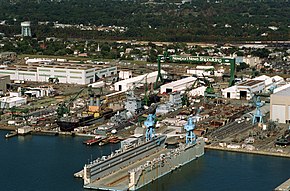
[(64, 107), (209, 91), (185, 97)]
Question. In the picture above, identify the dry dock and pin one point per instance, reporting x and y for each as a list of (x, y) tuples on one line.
[(119, 180), (131, 169)]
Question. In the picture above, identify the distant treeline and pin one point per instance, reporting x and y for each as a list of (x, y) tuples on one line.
[(200, 20)]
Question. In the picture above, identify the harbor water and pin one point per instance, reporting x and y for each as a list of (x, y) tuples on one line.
[(45, 163)]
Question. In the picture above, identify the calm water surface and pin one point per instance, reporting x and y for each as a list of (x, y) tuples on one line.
[(47, 163)]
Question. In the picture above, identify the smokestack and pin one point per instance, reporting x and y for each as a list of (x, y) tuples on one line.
[(91, 100), (98, 102)]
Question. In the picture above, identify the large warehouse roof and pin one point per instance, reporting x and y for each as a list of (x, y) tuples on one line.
[(284, 92), (180, 82)]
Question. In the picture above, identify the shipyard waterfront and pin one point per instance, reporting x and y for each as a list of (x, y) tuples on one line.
[(49, 162)]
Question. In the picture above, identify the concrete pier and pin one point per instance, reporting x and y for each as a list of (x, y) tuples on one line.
[(258, 152), (285, 186)]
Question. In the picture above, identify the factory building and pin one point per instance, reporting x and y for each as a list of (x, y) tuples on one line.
[(4, 80), (66, 72), (246, 89), (280, 106), (270, 81), (138, 81), (178, 85)]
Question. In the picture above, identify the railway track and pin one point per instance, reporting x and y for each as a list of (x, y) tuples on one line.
[(230, 130)]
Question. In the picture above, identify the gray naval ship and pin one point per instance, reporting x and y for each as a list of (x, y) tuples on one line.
[(141, 160)]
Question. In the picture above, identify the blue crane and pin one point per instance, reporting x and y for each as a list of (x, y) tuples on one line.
[(190, 135), (189, 127), (149, 124), (258, 116)]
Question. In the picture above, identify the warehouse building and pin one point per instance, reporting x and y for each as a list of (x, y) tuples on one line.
[(246, 89), (179, 85), (4, 80), (280, 106), (137, 81), (65, 72)]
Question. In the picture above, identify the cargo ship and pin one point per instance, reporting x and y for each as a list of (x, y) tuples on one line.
[(69, 123), (95, 113), (138, 164)]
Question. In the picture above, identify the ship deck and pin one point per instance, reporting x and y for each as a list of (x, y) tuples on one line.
[(119, 180)]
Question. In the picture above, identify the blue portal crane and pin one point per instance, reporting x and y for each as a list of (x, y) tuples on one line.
[(150, 124), (189, 127), (190, 135), (258, 116)]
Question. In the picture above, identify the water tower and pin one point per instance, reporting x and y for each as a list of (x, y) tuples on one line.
[(25, 28)]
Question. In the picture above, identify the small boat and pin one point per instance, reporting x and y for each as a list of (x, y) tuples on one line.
[(114, 140), (92, 141), (103, 142)]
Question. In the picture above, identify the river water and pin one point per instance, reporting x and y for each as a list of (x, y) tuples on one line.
[(47, 163)]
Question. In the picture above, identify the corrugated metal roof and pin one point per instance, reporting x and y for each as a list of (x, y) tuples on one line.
[(284, 92), (179, 82), (250, 82), (138, 78)]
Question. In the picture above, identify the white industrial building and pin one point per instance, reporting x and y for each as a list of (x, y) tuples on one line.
[(99, 84), (9, 102), (201, 71), (252, 60), (125, 74), (270, 81), (197, 91), (138, 81), (72, 73), (280, 106), (178, 85), (246, 89)]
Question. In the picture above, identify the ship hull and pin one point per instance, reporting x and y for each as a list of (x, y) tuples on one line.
[(70, 125)]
